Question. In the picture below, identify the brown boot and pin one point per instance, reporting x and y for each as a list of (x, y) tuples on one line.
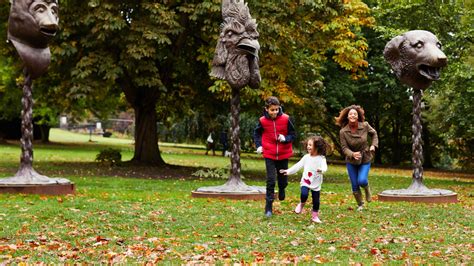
[(368, 195), (358, 198)]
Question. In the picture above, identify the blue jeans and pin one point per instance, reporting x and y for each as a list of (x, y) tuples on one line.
[(358, 175), (314, 194)]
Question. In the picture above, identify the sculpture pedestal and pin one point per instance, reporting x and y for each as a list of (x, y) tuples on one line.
[(47, 189), (229, 195), (231, 190), (425, 196), (28, 181)]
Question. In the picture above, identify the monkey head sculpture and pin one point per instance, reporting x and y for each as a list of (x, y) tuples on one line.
[(236, 55), (31, 24), (416, 58)]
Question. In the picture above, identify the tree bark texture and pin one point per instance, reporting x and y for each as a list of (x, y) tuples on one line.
[(396, 142), (143, 102), (44, 133), (146, 136), (427, 158), (378, 152)]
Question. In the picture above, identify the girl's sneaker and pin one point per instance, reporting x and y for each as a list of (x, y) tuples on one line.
[(315, 218), (299, 208)]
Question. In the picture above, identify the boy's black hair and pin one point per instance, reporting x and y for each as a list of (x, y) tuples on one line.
[(272, 100)]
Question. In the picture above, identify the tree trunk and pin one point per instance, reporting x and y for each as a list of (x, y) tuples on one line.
[(146, 137), (378, 152), (396, 143), (143, 101), (428, 163), (44, 133)]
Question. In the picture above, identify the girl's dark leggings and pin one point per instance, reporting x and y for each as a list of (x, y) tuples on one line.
[(314, 194)]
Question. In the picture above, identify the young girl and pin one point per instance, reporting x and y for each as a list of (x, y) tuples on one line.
[(314, 164)]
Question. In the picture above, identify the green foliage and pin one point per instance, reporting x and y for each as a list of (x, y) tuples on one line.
[(109, 157), (10, 93)]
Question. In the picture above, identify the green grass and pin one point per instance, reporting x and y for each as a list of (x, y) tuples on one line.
[(114, 218)]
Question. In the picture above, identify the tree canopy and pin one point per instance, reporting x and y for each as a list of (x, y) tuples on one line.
[(316, 56)]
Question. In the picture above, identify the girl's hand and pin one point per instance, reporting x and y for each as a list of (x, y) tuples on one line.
[(319, 170), (372, 148), (284, 171)]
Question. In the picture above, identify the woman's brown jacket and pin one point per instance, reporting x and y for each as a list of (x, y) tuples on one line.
[(353, 142)]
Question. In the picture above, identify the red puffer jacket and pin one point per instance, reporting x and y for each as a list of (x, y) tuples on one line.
[(270, 129)]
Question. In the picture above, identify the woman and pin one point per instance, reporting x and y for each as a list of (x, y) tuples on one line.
[(354, 143)]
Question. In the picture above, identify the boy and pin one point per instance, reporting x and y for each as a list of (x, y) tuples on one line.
[(273, 136)]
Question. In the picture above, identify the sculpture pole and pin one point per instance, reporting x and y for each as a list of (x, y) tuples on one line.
[(417, 148), (235, 138), (416, 58), (236, 61), (26, 160)]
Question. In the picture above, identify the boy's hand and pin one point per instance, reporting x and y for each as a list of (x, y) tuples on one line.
[(284, 171), (260, 150), (281, 138)]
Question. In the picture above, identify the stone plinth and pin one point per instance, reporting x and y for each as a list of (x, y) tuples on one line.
[(48, 189), (425, 196), (34, 183), (240, 191)]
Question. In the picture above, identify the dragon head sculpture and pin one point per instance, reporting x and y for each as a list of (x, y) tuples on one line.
[(416, 58), (236, 55), (31, 24)]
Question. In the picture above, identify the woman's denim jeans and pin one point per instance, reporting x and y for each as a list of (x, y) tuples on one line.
[(358, 175)]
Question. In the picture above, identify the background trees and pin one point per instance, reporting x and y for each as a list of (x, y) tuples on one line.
[(316, 57)]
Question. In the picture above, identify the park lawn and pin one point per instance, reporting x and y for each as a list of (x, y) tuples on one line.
[(116, 217)]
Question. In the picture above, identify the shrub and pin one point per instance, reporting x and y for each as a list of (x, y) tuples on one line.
[(109, 156)]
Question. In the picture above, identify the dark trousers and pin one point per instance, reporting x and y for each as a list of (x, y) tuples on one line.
[(314, 194), (224, 148), (273, 174)]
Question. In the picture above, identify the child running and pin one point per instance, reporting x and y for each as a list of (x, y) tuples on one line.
[(314, 164)]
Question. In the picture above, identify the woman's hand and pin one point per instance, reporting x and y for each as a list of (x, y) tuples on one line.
[(357, 155), (372, 148)]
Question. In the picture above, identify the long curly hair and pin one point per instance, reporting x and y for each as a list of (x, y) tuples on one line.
[(320, 145), (342, 119)]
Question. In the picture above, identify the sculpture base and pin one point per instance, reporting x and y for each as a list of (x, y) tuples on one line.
[(47, 189), (237, 190), (424, 196), (229, 195)]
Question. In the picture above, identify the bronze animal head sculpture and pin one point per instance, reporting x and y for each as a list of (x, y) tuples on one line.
[(416, 58), (31, 24), (236, 55)]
